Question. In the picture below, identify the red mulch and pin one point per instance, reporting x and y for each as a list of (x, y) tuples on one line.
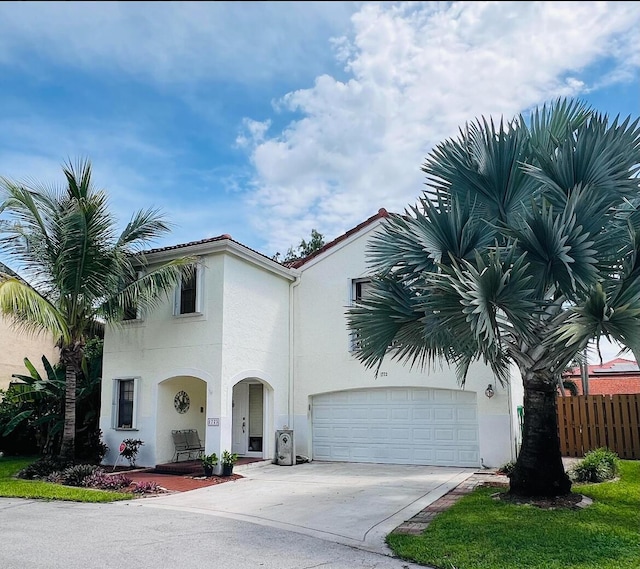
[(180, 483)]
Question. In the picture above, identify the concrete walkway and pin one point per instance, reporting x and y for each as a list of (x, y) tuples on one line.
[(348, 503)]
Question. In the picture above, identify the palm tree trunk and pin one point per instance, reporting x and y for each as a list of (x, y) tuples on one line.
[(71, 357), (539, 470)]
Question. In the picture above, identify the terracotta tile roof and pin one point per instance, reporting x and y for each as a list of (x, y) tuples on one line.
[(223, 237), (382, 213)]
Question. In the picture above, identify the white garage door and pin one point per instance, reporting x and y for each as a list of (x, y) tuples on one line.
[(397, 426)]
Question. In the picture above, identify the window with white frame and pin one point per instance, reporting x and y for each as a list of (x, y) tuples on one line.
[(124, 402), (359, 288), (189, 293)]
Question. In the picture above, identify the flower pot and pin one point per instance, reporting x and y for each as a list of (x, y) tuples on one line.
[(208, 470), (227, 469)]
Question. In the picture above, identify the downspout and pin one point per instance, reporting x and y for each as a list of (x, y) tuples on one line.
[(290, 401)]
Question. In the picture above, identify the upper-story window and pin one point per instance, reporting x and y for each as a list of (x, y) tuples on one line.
[(132, 311), (359, 288), (190, 292)]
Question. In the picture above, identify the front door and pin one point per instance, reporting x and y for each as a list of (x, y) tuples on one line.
[(248, 419)]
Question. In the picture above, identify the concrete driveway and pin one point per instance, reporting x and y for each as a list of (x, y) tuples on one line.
[(348, 503)]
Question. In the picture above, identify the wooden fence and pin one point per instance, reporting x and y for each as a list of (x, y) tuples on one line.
[(587, 422)]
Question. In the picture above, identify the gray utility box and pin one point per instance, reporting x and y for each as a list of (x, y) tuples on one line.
[(285, 449)]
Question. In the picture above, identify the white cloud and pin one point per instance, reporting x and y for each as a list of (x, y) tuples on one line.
[(417, 72)]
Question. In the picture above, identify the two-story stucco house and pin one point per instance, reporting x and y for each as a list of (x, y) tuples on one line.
[(248, 347)]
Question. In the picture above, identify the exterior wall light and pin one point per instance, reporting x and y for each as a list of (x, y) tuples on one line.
[(489, 392)]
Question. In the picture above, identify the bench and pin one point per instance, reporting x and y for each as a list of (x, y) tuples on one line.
[(186, 442)]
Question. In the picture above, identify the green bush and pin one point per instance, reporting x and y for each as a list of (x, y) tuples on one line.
[(507, 468), (597, 466), (42, 468), (76, 475)]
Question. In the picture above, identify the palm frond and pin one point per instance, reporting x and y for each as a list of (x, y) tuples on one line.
[(144, 227), (29, 310)]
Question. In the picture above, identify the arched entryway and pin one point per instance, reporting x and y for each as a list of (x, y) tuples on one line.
[(252, 418), (181, 404)]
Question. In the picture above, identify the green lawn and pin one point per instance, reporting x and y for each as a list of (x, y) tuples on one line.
[(482, 533), (11, 487)]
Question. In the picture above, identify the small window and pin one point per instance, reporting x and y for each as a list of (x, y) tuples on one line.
[(359, 288), (124, 398), (189, 293), (131, 310)]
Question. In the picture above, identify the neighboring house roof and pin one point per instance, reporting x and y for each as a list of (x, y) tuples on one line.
[(382, 213), (610, 378)]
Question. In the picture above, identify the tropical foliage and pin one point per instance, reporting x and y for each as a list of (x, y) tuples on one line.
[(523, 248), (79, 271), (306, 248), (32, 409)]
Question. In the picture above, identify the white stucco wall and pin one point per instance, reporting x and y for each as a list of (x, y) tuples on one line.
[(255, 341), (16, 345), (242, 333), (323, 362)]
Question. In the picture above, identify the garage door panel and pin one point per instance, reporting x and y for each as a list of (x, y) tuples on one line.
[(396, 425), (400, 414)]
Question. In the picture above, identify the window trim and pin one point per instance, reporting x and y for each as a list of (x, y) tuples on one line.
[(115, 403), (199, 308)]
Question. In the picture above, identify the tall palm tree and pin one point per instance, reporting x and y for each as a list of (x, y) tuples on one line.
[(524, 248), (78, 271)]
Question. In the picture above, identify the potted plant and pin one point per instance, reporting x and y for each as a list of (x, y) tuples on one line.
[(227, 460), (209, 462)]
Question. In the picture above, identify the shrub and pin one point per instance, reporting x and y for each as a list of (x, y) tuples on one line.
[(129, 450), (90, 447), (54, 477), (507, 468), (147, 487), (42, 468), (75, 475), (597, 466), (103, 481)]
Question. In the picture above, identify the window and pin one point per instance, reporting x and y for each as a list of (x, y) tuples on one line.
[(131, 309), (124, 403), (359, 288), (130, 312), (189, 293)]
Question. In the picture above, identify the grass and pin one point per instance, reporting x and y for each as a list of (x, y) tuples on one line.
[(479, 532), (11, 487)]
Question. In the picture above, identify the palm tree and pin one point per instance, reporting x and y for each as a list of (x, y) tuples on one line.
[(78, 272), (523, 248)]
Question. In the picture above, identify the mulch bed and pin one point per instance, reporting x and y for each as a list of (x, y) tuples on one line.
[(568, 501)]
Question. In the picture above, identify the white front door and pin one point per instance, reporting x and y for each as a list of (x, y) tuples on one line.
[(248, 419), (240, 418)]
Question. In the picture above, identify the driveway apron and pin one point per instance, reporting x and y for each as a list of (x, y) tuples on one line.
[(350, 503)]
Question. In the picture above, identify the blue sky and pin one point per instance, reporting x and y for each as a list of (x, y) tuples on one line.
[(265, 120)]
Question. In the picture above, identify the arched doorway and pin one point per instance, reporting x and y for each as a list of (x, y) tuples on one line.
[(182, 404)]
